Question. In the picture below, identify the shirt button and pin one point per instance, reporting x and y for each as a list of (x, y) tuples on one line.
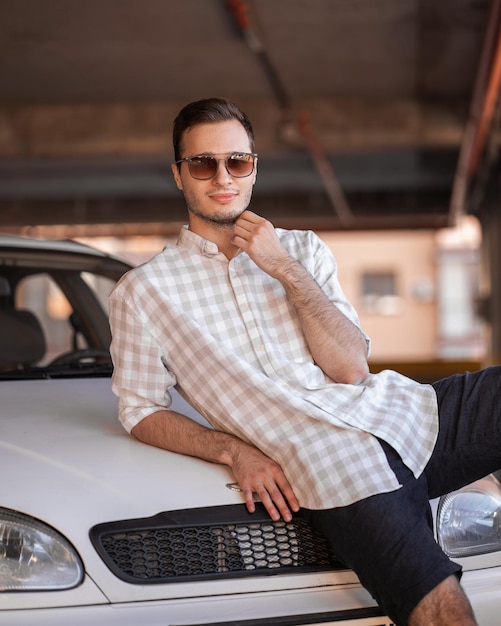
[(210, 248)]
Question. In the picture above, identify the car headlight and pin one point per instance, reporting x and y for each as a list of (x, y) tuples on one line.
[(469, 520), (35, 557)]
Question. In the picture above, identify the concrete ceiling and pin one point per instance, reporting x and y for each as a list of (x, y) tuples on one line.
[(367, 113)]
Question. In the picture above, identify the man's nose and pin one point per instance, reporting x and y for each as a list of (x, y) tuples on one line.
[(222, 175)]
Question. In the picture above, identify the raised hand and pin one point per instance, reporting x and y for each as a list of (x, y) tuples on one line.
[(256, 236)]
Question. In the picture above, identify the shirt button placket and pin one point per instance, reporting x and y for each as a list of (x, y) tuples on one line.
[(236, 274)]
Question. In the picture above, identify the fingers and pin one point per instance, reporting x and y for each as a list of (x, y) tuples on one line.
[(258, 474), (249, 500), (276, 495), (249, 224), (257, 237), (275, 504), (250, 218)]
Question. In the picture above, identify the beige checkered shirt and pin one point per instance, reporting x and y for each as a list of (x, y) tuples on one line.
[(225, 335)]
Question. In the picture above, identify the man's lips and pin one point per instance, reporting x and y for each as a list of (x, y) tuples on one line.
[(223, 196)]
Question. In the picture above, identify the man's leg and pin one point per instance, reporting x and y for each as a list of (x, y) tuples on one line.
[(469, 440), (468, 448), (445, 605), (388, 541)]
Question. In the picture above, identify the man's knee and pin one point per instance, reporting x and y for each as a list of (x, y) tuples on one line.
[(445, 605)]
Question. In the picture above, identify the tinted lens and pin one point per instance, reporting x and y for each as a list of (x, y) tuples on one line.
[(240, 164), (202, 167)]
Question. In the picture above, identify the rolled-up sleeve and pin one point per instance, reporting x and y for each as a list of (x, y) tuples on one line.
[(141, 378)]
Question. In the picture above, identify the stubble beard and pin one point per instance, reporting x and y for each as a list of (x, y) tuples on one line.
[(219, 220)]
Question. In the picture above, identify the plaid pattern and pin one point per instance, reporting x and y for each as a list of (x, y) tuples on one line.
[(224, 333)]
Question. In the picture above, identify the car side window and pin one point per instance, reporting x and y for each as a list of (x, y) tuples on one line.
[(101, 286), (41, 295)]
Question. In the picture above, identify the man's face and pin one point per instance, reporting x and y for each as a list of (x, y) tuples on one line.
[(220, 200)]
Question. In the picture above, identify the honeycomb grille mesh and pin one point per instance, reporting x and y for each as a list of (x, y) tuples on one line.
[(214, 550)]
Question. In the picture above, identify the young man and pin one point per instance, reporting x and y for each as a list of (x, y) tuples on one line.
[(251, 325)]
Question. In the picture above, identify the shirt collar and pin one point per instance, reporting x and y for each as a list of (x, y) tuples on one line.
[(192, 241)]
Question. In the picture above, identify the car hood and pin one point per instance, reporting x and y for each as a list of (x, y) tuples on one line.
[(64, 450), (66, 460)]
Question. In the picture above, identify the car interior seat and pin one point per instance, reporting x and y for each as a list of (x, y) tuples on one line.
[(22, 340)]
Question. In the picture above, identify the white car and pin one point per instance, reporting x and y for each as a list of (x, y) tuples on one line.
[(99, 529)]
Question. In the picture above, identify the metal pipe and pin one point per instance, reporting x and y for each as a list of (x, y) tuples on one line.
[(472, 144), (240, 11), (325, 170), (491, 96)]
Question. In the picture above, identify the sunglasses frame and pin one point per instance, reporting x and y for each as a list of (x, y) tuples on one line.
[(225, 159)]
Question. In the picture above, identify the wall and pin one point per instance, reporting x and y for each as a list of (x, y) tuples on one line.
[(407, 331)]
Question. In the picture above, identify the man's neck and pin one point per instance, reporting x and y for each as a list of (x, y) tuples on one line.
[(220, 235)]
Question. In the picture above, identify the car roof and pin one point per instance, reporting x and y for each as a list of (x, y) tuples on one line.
[(60, 253), (60, 245)]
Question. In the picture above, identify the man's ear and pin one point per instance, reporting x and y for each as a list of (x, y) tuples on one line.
[(255, 172), (177, 177)]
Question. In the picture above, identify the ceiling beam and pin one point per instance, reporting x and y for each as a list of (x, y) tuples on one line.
[(144, 129)]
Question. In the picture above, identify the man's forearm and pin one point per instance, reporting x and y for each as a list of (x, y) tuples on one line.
[(253, 470), (177, 433), (336, 344)]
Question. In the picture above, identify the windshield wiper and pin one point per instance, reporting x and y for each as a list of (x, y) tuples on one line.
[(67, 370)]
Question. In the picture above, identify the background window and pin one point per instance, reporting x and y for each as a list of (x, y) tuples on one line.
[(379, 293)]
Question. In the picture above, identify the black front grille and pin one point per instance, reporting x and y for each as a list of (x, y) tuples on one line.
[(215, 542)]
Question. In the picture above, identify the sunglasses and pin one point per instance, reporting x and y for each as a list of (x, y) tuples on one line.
[(205, 166)]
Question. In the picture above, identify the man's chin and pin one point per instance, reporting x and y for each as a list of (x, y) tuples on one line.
[(224, 221), (219, 220)]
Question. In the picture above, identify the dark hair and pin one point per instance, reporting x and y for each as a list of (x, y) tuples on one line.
[(204, 111)]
